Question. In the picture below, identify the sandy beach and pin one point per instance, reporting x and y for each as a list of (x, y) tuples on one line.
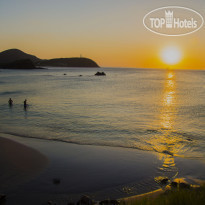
[(36, 171), (19, 163), (100, 172)]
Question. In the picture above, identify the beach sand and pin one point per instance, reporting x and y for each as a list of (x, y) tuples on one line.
[(19, 163), (36, 171), (49, 170)]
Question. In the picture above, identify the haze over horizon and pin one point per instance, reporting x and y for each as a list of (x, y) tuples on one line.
[(109, 32)]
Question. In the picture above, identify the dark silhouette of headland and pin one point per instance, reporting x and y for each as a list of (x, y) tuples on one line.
[(69, 62), (12, 55), (17, 59), (21, 64)]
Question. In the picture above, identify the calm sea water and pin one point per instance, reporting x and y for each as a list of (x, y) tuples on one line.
[(155, 110)]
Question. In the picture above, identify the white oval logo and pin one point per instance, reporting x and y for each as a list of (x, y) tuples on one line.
[(173, 21)]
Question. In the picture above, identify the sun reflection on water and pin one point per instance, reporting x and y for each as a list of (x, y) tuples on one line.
[(168, 103), (167, 116), (164, 142)]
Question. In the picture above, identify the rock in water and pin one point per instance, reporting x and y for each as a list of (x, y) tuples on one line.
[(56, 181), (100, 74), (162, 180)]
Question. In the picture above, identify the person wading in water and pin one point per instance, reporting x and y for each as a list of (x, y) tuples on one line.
[(25, 103), (10, 102)]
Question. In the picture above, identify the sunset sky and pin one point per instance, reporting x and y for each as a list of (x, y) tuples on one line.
[(111, 32)]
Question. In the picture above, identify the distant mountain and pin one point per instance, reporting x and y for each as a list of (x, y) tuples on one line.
[(11, 55), (15, 58), (20, 64), (68, 62)]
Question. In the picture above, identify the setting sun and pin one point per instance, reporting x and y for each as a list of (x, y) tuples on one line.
[(171, 55)]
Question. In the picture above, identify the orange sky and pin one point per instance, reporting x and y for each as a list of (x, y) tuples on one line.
[(109, 32)]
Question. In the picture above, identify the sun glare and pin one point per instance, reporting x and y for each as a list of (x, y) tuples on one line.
[(171, 55)]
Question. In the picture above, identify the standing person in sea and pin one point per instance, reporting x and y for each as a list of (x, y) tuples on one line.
[(25, 103), (10, 102)]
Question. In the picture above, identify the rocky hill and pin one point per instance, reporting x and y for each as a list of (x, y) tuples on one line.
[(12, 55), (15, 58), (68, 62), (20, 64)]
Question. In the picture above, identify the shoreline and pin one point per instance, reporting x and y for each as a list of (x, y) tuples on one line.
[(151, 194), (100, 172)]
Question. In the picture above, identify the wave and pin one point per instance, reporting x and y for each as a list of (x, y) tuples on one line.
[(186, 136), (71, 141), (137, 146), (11, 92)]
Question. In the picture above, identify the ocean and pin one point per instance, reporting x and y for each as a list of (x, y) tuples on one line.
[(159, 111)]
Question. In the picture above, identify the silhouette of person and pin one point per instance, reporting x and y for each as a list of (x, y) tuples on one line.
[(10, 102), (25, 103)]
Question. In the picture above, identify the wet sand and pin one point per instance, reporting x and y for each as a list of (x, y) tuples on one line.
[(73, 170), (19, 164), (43, 170)]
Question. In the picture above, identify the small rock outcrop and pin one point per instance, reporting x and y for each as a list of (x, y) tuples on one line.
[(56, 181), (180, 184), (100, 74), (161, 180), (174, 184), (85, 200)]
